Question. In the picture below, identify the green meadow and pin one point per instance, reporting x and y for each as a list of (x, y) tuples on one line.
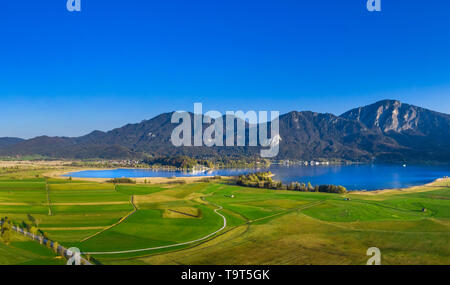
[(173, 223), (22, 251)]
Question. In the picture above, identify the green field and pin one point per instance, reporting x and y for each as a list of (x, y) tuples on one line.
[(262, 226), (22, 251)]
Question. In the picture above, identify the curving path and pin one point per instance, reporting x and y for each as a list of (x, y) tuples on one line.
[(312, 204), (172, 245), (119, 222)]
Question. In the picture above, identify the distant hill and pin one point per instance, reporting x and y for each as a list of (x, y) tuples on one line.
[(308, 135), (5, 142), (385, 131), (424, 134)]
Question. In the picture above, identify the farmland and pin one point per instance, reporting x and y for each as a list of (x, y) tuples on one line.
[(171, 223)]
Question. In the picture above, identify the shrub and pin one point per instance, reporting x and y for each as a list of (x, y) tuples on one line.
[(55, 246), (121, 181), (6, 231), (264, 180), (177, 182)]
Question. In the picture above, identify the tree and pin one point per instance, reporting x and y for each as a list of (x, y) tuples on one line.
[(25, 226), (279, 185), (303, 187), (33, 231), (6, 231), (32, 219), (55, 246), (341, 189)]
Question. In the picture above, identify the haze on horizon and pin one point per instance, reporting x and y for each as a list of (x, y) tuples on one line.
[(67, 74)]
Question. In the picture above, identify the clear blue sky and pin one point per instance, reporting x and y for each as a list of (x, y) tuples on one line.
[(124, 61)]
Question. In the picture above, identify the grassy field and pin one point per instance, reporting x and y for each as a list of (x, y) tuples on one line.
[(22, 251), (263, 226)]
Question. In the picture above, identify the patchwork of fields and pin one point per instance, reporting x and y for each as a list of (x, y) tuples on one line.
[(262, 226)]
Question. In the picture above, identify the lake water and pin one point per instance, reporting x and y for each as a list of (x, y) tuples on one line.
[(353, 177)]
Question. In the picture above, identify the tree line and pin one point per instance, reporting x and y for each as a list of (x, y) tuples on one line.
[(122, 180), (186, 162), (182, 162), (264, 180), (30, 226)]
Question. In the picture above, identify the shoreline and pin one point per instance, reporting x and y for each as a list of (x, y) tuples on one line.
[(417, 188), (62, 174), (161, 180)]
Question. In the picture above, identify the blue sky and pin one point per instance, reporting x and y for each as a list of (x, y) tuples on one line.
[(121, 62)]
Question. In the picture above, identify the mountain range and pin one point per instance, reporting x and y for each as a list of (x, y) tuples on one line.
[(386, 131)]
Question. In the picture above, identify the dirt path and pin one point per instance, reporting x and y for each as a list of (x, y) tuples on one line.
[(309, 205), (92, 203), (207, 236), (350, 227), (186, 214), (113, 225), (50, 212), (172, 245), (71, 228)]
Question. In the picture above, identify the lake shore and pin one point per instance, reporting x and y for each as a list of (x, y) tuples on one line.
[(63, 174), (419, 188)]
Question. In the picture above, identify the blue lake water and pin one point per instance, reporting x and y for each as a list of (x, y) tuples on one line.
[(353, 177)]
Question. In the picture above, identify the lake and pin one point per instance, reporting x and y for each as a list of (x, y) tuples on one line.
[(353, 177)]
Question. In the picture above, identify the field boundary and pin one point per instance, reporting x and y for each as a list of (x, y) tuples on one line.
[(312, 204), (186, 214), (171, 245), (50, 212), (245, 224), (350, 228), (309, 205), (116, 224), (61, 250)]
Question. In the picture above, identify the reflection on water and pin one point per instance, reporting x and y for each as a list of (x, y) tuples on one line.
[(359, 177), (353, 177), (135, 173)]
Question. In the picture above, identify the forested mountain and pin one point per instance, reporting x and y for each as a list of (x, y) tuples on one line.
[(385, 131), (5, 142)]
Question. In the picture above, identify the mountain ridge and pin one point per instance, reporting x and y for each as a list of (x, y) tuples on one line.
[(8, 141), (387, 130)]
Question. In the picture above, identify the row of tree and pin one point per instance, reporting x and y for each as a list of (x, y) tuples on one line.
[(264, 180), (182, 162), (30, 226), (5, 230), (122, 180), (186, 162)]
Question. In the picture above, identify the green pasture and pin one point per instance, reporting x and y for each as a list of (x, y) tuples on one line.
[(22, 251), (139, 189), (263, 226)]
